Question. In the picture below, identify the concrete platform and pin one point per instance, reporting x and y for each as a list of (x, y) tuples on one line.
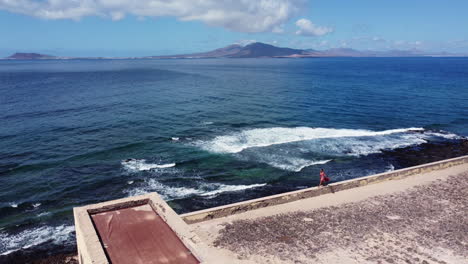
[(413, 215), (139, 235), (417, 219), (140, 230)]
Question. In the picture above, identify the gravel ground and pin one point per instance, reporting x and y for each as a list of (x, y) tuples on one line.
[(425, 224)]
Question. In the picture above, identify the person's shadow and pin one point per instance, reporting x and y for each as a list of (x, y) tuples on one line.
[(332, 189)]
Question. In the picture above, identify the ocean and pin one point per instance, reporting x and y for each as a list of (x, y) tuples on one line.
[(206, 132)]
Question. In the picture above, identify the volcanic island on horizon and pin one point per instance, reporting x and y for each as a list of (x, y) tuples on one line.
[(258, 50)]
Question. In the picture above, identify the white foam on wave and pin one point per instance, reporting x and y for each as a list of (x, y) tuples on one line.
[(43, 214), (443, 134), (14, 205), (293, 149), (32, 237), (263, 137), (361, 147), (285, 159), (390, 168), (135, 165), (296, 164), (222, 188), (167, 192), (171, 193)]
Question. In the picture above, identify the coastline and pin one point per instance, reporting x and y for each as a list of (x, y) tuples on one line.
[(270, 132), (431, 153), (360, 225)]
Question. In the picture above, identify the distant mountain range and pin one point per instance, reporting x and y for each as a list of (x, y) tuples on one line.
[(30, 56), (262, 50), (254, 50)]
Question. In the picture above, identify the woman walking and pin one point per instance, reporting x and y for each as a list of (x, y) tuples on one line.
[(323, 178)]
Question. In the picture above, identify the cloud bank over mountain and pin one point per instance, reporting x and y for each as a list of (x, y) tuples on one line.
[(307, 28), (241, 16)]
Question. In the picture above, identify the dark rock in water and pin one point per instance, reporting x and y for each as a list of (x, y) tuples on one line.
[(428, 152), (59, 259), (41, 256)]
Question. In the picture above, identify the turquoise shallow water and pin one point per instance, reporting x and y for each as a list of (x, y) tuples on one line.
[(204, 133)]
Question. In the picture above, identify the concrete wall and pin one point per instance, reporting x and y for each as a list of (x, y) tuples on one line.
[(221, 211), (90, 249)]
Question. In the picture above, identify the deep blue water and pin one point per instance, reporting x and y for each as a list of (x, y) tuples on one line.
[(204, 133)]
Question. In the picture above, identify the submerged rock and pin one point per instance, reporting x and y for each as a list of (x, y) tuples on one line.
[(428, 152)]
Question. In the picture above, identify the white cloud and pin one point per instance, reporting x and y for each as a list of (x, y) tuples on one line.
[(278, 29), (117, 15), (407, 44), (378, 39), (241, 15), (399, 42), (245, 42), (323, 43), (307, 28)]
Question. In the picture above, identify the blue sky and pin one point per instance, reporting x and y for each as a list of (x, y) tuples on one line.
[(157, 27)]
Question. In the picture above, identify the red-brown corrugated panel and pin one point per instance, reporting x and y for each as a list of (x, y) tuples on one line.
[(138, 235)]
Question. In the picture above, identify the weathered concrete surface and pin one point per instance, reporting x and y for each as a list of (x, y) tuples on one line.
[(139, 235), (354, 221), (226, 210), (90, 248), (87, 241), (418, 219)]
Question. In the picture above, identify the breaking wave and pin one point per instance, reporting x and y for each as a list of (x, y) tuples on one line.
[(204, 189), (389, 168), (295, 164), (293, 149), (263, 137), (32, 237), (135, 165)]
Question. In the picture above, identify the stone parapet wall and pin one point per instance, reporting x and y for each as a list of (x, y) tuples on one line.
[(230, 209)]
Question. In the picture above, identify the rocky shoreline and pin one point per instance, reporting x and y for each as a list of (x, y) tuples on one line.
[(428, 152), (403, 158), (39, 257)]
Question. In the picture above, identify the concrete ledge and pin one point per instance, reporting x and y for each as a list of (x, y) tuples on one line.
[(230, 209), (90, 248)]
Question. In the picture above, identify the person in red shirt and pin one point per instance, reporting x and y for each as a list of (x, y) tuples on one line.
[(323, 178)]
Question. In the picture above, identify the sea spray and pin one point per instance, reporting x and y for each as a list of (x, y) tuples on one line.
[(142, 165), (263, 137), (294, 149), (203, 189), (35, 236)]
